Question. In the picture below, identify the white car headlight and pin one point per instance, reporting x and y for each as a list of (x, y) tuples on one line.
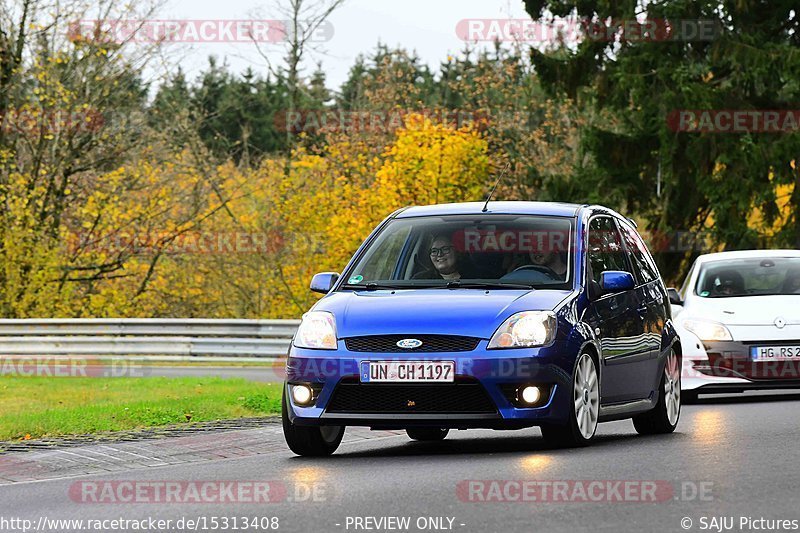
[(524, 330), (707, 330), (317, 330)]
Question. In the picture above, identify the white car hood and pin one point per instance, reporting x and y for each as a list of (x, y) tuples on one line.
[(747, 310)]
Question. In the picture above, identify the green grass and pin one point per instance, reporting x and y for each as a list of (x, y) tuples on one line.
[(48, 406), (228, 364)]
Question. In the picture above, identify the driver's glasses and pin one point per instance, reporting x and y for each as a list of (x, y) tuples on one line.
[(444, 250)]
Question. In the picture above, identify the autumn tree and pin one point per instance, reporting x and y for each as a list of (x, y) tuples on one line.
[(679, 180), (77, 158)]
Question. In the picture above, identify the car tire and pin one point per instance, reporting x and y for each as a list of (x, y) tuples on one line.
[(427, 434), (664, 417), (310, 441), (585, 408), (689, 397)]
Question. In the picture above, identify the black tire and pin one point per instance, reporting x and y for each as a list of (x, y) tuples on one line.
[(569, 435), (689, 397), (662, 419), (427, 434), (310, 441)]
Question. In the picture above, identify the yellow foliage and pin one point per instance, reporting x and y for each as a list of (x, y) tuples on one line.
[(129, 247), (756, 219)]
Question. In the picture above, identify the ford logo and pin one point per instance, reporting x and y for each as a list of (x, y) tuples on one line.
[(409, 344)]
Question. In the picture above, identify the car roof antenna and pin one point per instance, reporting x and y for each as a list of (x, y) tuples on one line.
[(496, 183)]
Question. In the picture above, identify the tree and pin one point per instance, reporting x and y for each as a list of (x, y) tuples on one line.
[(705, 179), (386, 80), (302, 21), (73, 157), (237, 116), (535, 134), (337, 197)]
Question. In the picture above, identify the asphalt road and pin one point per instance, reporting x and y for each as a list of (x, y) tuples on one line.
[(729, 458)]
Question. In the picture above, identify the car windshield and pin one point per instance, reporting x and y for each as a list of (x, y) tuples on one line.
[(492, 251), (749, 277)]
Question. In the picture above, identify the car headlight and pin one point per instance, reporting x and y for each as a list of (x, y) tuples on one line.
[(317, 330), (707, 330), (524, 330)]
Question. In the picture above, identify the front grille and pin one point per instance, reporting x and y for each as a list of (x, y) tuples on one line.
[(463, 396), (430, 343)]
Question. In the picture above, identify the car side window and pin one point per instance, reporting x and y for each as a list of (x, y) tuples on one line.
[(605, 248), (642, 265), (383, 265)]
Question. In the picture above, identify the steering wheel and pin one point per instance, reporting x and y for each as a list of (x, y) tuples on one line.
[(539, 268)]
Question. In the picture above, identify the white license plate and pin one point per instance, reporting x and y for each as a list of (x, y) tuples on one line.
[(775, 353), (408, 371)]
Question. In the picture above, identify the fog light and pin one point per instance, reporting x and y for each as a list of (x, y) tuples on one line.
[(530, 395), (302, 394)]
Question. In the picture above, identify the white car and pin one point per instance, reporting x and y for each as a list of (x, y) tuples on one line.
[(738, 317)]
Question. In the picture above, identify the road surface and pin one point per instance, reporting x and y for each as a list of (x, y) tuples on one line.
[(733, 459)]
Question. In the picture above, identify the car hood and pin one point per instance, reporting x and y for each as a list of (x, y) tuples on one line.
[(468, 312), (748, 310)]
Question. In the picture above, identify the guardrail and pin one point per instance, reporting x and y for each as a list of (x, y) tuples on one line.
[(173, 337)]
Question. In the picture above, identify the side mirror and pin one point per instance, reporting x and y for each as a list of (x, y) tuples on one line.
[(324, 282), (674, 297), (616, 281)]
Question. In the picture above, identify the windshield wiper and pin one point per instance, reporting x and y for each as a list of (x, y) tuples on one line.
[(458, 284), (372, 286), (453, 284)]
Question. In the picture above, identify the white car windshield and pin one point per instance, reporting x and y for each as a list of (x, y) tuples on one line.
[(765, 276)]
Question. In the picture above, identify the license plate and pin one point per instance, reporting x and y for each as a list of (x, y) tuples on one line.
[(408, 371), (775, 353)]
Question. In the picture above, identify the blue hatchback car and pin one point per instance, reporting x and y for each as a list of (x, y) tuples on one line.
[(502, 315)]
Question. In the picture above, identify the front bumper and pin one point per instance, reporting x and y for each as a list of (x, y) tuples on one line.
[(495, 372), (729, 367)]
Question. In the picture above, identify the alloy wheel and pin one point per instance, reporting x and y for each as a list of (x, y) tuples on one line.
[(586, 396)]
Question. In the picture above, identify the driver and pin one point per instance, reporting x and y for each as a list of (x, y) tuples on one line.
[(728, 283), (552, 263), (553, 260)]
